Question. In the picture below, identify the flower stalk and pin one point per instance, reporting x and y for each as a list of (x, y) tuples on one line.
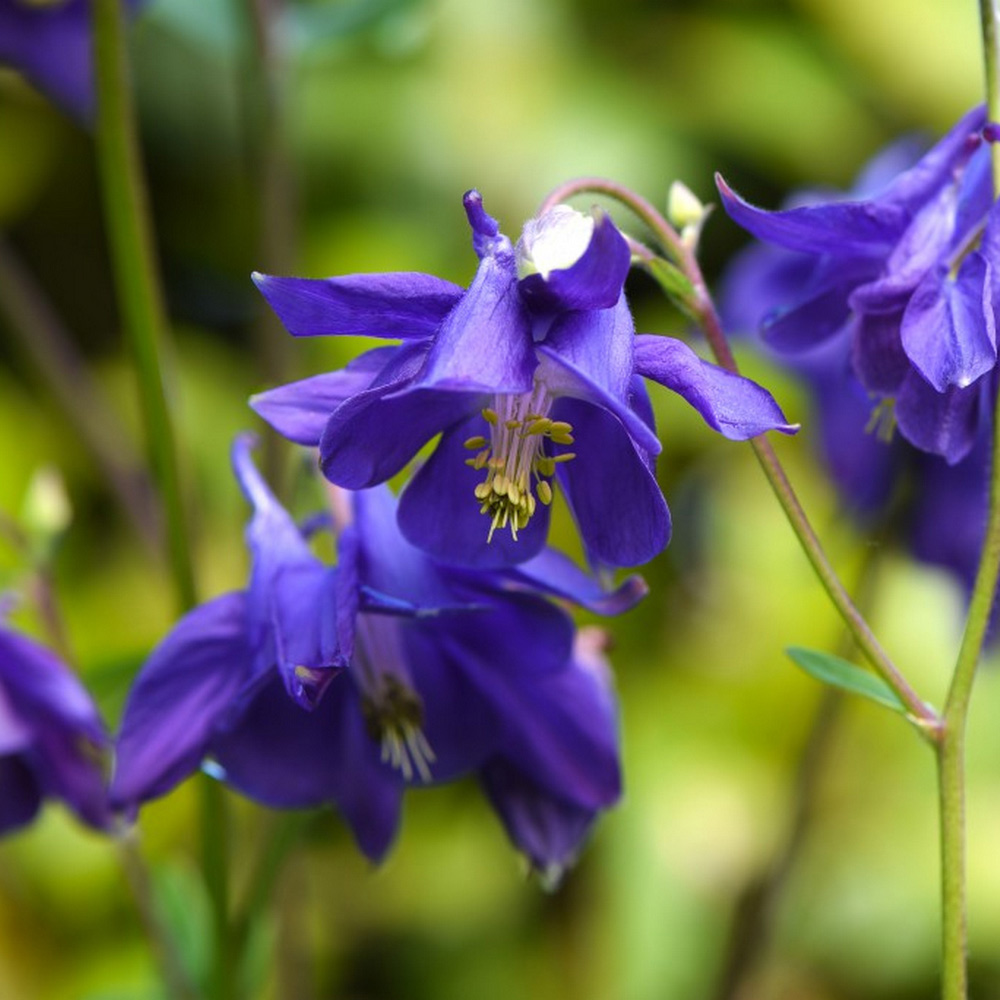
[(126, 214), (951, 750), (700, 307), (129, 228)]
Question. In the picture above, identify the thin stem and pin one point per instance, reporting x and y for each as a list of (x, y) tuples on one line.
[(174, 976), (703, 310), (130, 237), (215, 846), (44, 340), (990, 14), (126, 214), (951, 749)]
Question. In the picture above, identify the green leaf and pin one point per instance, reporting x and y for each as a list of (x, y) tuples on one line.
[(839, 673), (674, 283)]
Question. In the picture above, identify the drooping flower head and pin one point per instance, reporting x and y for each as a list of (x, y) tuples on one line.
[(533, 376), (911, 269), (49, 41), (405, 672), (935, 508), (52, 740)]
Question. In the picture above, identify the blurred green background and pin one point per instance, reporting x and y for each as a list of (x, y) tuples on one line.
[(352, 154)]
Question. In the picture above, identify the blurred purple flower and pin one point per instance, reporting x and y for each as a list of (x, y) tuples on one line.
[(531, 375), (49, 42), (912, 270), (51, 738), (883, 480), (344, 685)]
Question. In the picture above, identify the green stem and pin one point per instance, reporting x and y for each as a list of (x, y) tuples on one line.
[(126, 215), (215, 845), (951, 749), (702, 309), (127, 219)]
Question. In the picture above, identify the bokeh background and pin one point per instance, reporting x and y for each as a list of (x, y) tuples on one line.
[(349, 151)]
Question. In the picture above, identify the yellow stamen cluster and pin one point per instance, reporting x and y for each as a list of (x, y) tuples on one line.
[(516, 467), (395, 717)]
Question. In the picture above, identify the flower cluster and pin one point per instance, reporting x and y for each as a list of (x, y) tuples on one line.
[(347, 684), (533, 376), (909, 270), (885, 480)]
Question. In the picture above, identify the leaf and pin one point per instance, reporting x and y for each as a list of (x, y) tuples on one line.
[(674, 283), (839, 673)]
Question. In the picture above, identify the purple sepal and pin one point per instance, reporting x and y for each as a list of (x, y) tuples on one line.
[(403, 305), (736, 407)]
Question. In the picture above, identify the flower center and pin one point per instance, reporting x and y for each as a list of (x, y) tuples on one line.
[(516, 463), (392, 709), (394, 717)]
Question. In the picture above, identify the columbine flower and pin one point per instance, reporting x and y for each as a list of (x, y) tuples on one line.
[(531, 376), (51, 737), (415, 673), (890, 486), (49, 41), (912, 270)]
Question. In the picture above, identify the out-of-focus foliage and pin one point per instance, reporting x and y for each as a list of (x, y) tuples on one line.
[(390, 111)]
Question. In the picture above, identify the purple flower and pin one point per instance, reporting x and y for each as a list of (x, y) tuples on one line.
[(911, 270), (884, 481), (49, 41), (51, 737), (345, 685), (532, 376)]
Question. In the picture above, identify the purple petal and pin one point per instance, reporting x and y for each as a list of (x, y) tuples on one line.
[(734, 406), (948, 329), (286, 758), (877, 354), (485, 344), (401, 305), (547, 829), (943, 423), (555, 573), (182, 696), (300, 410), (373, 436), (595, 281), (612, 492), (439, 512), (840, 228), (589, 356)]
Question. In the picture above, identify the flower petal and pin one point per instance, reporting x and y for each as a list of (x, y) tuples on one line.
[(547, 829), (439, 512), (401, 305), (877, 354), (948, 329), (839, 228), (286, 758), (734, 406), (300, 410), (613, 494), (184, 693), (372, 436), (555, 573), (589, 356), (943, 423), (485, 344), (594, 281)]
